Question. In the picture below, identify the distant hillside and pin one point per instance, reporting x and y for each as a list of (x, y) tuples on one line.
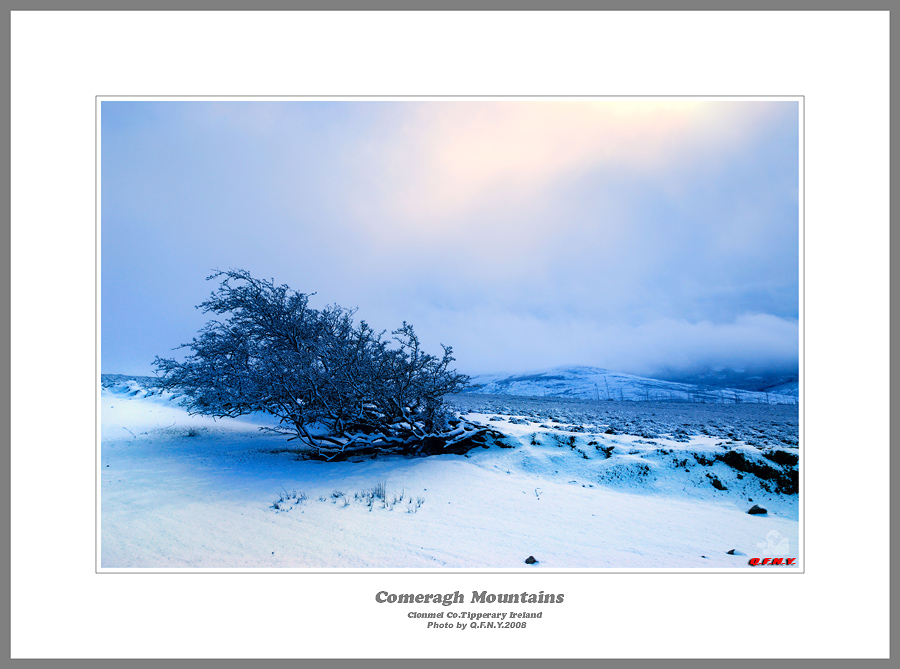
[(108, 380), (760, 380), (594, 383), (791, 388)]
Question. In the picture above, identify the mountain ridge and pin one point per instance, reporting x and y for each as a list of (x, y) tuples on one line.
[(600, 384)]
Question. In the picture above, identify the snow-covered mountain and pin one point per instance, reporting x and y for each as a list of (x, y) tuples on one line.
[(791, 388), (775, 380), (595, 383)]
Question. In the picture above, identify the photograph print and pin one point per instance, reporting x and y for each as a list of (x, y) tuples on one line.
[(501, 334)]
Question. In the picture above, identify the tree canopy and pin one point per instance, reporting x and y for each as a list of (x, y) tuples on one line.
[(336, 385)]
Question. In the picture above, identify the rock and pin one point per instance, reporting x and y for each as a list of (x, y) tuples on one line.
[(756, 508), (735, 551), (716, 483), (530, 560)]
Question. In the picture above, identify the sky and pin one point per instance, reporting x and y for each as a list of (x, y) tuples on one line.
[(637, 236)]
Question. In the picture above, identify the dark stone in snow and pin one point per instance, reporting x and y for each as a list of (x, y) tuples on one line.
[(756, 508), (783, 458), (735, 551), (716, 483), (530, 560)]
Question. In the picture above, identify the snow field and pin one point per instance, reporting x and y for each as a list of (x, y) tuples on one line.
[(179, 491)]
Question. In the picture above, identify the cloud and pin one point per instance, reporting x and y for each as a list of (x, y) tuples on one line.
[(447, 160), (490, 340), (525, 234)]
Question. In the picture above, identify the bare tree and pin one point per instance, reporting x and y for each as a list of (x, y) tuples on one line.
[(337, 386)]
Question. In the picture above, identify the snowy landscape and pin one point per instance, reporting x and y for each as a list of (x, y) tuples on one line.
[(571, 483), (603, 372)]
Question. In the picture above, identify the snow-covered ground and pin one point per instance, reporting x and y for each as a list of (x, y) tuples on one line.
[(180, 491)]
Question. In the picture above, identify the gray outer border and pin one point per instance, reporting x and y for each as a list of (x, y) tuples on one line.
[(5, 359)]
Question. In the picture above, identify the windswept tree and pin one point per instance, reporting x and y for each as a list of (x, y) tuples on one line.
[(337, 386)]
